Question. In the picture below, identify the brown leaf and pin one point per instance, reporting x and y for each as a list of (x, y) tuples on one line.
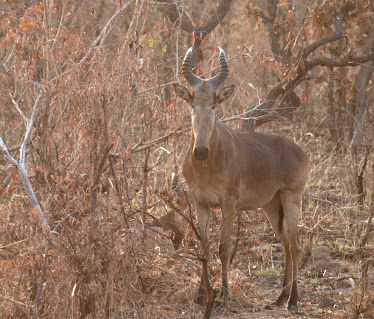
[(320, 79), (303, 98), (15, 123)]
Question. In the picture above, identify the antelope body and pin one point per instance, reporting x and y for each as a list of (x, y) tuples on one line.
[(241, 171)]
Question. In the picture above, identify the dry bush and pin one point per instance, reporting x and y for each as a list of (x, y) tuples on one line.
[(106, 139)]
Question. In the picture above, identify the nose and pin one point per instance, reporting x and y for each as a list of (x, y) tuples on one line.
[(201, 153)]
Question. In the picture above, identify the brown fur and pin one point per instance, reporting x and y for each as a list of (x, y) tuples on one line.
[(250, 167)]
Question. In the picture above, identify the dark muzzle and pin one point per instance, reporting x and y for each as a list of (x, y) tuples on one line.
[(201, 153)]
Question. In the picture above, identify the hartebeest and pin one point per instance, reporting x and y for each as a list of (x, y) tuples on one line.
[(241, 171)]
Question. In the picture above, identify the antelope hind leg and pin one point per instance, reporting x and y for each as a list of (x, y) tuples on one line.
[(291, 202), (275, 215)]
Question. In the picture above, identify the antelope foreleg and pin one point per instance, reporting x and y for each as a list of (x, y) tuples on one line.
[(203, 217), (228, 217)]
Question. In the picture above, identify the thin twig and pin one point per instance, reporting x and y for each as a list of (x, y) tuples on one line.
[(15, 243), (157, 87), (143, 146), (18, 108)]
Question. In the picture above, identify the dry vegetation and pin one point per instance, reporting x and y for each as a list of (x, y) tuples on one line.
[(89, 83)]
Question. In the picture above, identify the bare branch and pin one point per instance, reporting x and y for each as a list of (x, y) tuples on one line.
[(157, 87), (214, 20), (105, 30), (7, 154), (338, 34), (134, 20), (289, 102), (99, 171), (18, 108), (364, 77), (30, 125), (22, 167), (330, 110), (176, 18), (346, 61), (270, 24), (201, 32), (143, 146)]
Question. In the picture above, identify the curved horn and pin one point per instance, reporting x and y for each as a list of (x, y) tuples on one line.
[(216, 81), (191, 78)]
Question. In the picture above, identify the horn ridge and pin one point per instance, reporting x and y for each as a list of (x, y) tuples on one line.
[(216, 81), (191, 78)]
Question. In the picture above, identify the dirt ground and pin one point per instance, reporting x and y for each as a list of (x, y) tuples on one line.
[(327, 280)]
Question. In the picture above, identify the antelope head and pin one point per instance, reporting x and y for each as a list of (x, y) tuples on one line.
[(202, 101)]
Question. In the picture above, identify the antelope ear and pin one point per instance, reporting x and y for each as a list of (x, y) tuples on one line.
[(225, 93), (182, 92)]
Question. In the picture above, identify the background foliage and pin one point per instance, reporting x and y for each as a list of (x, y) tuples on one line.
[(92, 79)]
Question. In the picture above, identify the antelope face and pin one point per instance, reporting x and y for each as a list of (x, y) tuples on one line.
[(203, 120), (203, 101)]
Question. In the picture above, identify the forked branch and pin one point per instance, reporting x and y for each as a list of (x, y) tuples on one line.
[(21, 164), (178, 18)]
